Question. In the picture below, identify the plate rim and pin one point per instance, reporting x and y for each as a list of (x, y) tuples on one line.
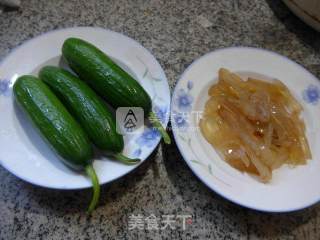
[(131, 168), (193, 169)]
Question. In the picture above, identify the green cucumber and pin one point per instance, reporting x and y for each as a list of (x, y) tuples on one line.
[(87, 107), (109, 80), (57, 126)]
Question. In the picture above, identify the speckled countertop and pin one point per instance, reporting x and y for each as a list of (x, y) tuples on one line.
[(176, 32)]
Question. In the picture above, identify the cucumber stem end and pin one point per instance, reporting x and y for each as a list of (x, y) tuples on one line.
[(96, 188), (128, 161), (157, 124)]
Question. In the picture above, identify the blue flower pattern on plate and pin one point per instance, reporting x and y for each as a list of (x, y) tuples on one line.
[(311, 94), (190, 85), (148, 138), (161, 113), (183, 100), (180, 120), (4, 87), (150, 135), (137, 152)]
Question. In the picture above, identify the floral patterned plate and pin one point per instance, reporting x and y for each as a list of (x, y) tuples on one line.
[(290, 188), (25, 154)]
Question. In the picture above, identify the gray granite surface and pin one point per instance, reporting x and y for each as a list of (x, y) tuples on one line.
[(176, 32)]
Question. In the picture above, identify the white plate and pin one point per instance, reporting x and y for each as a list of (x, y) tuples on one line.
[(290, 188), (25, 154), (307, 10)]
